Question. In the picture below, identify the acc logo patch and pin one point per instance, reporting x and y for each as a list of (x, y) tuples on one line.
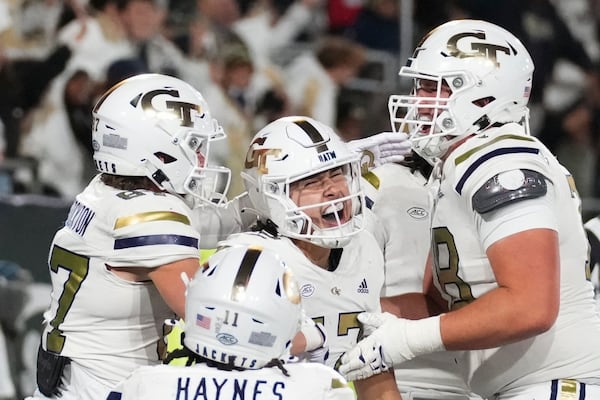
[(307, 290), (226, 339), (417, 212)]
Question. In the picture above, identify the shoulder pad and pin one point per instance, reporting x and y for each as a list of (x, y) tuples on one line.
[(507, 187)]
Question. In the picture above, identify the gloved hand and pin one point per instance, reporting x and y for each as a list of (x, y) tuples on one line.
[(392, 341), (382, 148)]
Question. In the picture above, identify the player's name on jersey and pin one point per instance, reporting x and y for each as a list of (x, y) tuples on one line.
[(205, 388), (79, 218)]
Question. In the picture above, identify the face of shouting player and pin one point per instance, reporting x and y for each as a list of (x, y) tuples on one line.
[(322, 190), (427, 89)]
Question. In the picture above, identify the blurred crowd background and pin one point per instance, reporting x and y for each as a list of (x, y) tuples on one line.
[(257, 60)]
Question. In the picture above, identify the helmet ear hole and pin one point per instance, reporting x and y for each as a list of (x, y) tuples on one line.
[(484, 101), (164, 157)]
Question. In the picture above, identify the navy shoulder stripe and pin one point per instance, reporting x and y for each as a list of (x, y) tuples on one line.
[(486, 157), (150, 240)]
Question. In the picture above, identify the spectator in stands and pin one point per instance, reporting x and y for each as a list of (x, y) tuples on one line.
[(314, 78), (572, 134), (274, 26), (341, 14), (270, 28), (222, 13), (119, 29), (233, 106), (377, 26), (53, 140), (23, 82), (200, 45), (29, 27)]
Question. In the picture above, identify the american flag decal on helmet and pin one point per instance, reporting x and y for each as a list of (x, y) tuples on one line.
[(202, 321)]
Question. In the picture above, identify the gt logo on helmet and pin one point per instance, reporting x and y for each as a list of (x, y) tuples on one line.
[(258, 157), (179, 109), (480, 49)]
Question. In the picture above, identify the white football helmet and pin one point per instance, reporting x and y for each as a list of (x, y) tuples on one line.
[(243, 308), (160, 127), (291, 149), (488, 72)]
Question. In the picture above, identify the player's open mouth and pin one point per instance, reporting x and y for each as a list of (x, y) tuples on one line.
[(334, 212), (425, 127)]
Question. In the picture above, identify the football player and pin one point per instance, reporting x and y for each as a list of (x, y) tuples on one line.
[(304, 185), (508, 244), (243, 309), (115, 265)]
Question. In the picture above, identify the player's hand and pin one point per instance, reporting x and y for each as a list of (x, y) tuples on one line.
[(367, 357), (382, 148), (392, 341)]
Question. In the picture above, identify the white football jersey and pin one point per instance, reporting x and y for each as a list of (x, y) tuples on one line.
[(400, 201), (107, 325), (461, 237), (166, 382), (333, 298)]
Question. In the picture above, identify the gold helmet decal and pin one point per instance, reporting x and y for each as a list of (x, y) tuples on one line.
[(478, 49)]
